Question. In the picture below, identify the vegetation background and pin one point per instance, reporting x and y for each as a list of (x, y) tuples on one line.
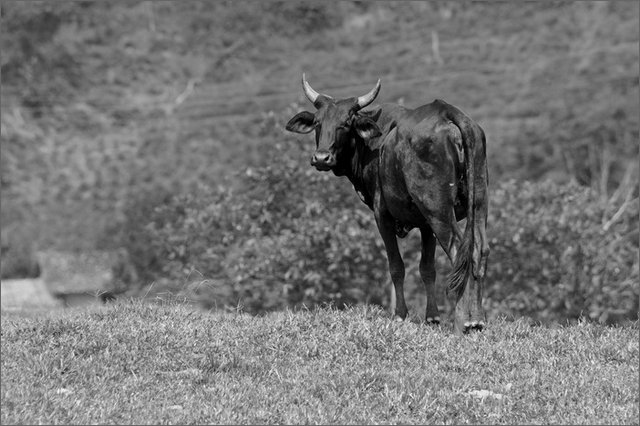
[(158, 129)]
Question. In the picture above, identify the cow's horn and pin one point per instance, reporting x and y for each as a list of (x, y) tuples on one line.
[(365, 100), (311, 94)]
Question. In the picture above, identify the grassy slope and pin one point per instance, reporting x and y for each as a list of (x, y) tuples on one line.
[(144, 364)]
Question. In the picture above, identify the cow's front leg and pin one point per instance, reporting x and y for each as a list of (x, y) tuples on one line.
[(387, 228)]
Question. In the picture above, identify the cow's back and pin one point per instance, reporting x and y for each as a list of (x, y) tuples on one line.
[(425, 133)]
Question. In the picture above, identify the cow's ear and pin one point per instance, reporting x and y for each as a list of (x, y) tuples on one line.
[(373, 114), (367, 129), (302, 122)]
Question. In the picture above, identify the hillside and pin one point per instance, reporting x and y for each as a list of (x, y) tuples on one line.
[(135, 363), (103, 102)]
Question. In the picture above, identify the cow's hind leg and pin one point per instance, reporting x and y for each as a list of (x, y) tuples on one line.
[(428, 274), (387, 228), (469, 315)]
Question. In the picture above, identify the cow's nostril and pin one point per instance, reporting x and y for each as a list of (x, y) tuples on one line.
[(323, 160), (321, 157)]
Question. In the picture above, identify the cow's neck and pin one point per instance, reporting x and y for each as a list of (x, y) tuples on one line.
[(362, 170)]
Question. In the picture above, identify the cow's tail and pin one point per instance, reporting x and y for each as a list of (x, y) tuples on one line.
[(471, 257)]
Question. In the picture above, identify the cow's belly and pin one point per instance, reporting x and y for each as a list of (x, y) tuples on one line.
[(406, 214), (404, 210), (434, 196), (406, 222)]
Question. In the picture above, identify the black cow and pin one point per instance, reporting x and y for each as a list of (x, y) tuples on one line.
[(419, 168)]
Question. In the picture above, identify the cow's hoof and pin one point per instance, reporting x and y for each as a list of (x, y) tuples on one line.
[(432, 320), (398, 318), (470, 326)]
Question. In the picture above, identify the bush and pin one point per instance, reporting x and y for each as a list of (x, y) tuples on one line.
[(18, 259), (276, 246), (552, 259), (288, 236)]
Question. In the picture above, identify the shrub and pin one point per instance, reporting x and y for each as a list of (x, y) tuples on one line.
[(287, 236), (552, 259), (275, 246), (18, 259)]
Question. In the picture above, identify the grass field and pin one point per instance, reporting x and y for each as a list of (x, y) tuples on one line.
[(166, 363)]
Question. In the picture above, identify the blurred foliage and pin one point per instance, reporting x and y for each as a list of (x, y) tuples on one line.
[(556, 255), (17, 257), (97, 153)]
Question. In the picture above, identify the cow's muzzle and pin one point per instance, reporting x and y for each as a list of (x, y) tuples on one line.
[(323, 160)]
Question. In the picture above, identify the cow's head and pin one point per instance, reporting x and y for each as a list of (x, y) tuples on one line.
[(338, 125)]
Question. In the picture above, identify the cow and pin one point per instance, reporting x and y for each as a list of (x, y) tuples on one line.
[(419, 168)]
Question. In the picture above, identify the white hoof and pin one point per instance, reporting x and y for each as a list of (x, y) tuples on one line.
[(433, 320), (473, 325)]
